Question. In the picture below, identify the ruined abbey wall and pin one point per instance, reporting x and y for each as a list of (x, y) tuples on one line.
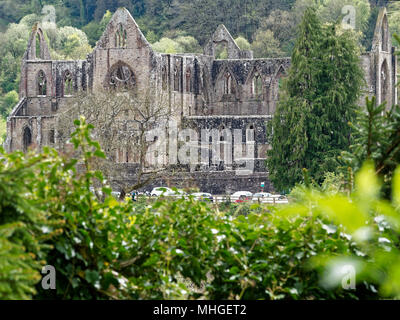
[(204, 93)]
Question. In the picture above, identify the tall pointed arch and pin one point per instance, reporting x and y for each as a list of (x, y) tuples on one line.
[(382, 40), (255, 83), (37, 46), (41, 50), (226, 83), (277, 81), (26, 138)]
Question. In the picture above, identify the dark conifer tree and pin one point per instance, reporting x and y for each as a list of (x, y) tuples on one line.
[(310, 127)]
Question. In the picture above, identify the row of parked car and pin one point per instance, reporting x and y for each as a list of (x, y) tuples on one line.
[(245, 196), (164, 191), (240, 196)]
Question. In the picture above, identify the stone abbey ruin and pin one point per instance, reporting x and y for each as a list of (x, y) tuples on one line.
[(201, 91)]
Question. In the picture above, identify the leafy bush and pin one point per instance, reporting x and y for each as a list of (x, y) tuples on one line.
[(259, 256), (370, 223), (86, 252), (105, 249), (24, 227), (263, 256)]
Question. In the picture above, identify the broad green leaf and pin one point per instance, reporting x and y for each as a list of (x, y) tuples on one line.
[(343, 212), (367, 184)]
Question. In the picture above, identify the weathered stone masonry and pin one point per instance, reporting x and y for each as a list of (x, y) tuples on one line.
[(204, 93)]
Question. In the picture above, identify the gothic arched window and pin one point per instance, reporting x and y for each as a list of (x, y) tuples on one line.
[(42, 83), (27, 138), (120, 37), (122, 77), (228, 84), (257, 85), (68, 85), (278, 83)]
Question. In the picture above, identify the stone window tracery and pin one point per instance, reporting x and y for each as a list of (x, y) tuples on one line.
[(228, 84), (120, 37), (257, 85), (122, 77)]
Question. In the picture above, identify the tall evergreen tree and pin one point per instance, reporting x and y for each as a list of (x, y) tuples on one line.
[(310, 126)]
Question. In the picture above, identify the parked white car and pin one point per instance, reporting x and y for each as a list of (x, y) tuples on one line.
[(242, 193), (156, 192), (261, 195), (167, 192)]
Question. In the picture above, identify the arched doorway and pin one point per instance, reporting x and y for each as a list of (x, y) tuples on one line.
[(27, 138)]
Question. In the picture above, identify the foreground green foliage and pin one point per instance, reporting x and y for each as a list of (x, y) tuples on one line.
[(24, 227), (371, 223), (167, 249)]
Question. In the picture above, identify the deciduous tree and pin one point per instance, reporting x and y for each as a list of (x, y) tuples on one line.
[(123, 122)]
